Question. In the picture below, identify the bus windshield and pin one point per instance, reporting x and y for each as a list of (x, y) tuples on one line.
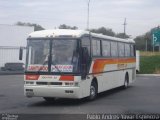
[(58, 55)]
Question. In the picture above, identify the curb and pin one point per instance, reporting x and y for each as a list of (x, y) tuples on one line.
[(147, 75)]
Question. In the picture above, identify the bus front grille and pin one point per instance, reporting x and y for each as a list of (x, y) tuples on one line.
[(49, 83)]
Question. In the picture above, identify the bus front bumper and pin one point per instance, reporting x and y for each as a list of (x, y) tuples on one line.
[(50, 91)]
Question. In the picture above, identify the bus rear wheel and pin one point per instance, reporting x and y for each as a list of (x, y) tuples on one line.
[(126, 81), (49, 99), (93, 91)]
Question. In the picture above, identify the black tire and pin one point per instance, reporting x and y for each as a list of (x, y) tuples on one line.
[(93, 91), (126, 82), (49, 99)]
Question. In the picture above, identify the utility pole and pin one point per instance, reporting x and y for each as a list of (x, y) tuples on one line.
[(125, 24), (146, 40), (88, 15), (146, 45)]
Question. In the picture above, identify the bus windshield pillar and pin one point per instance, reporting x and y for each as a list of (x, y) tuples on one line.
[(85, 60)]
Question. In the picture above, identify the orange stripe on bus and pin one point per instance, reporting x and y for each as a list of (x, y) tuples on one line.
[(99, 64), (66, 78)]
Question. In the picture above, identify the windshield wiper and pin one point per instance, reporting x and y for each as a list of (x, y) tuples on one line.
[(39, 70), (56, 67)]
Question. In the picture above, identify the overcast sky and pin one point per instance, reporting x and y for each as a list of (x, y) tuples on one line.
[(142, 15)]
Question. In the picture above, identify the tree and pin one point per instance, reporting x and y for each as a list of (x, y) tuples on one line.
[(122, 35), (37, 27), (104, 31), (64, 26), (142, 40)]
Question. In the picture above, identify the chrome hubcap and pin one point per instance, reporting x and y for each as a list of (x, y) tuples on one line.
[(93, 91), (126, 83)]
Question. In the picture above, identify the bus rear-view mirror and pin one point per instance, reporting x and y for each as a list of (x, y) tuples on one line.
[(20, 53)]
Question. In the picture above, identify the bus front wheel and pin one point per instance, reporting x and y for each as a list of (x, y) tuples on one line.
[(126, 81), (93, 91)]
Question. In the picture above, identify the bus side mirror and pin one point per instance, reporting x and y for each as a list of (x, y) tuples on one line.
[(20, 53)]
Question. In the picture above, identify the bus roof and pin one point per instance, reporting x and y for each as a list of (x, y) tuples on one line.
[(56, 33)]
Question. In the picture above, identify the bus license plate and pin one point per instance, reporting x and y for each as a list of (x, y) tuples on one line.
[(29, 93)]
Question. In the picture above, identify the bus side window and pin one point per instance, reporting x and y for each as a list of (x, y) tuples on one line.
[(121, 49), (127, 50), (114, 49), (132, 50), (106, 48), (96, 47), (86, 43)]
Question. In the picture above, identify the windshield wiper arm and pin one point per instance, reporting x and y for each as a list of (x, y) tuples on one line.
[(56, 67), (39, 70)]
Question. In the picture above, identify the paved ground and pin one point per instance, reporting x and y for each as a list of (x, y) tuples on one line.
[(11, 72), (141, 97)]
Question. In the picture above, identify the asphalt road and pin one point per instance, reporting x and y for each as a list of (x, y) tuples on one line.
[(143, 96)]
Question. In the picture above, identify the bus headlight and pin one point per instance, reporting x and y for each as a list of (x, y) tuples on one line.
[(29, 82)]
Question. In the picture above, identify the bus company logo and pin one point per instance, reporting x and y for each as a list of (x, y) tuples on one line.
[(121, 66), (46, 77), (49, 77)]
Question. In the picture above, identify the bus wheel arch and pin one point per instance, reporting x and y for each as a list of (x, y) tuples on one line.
[(93, 89), (126, 80)]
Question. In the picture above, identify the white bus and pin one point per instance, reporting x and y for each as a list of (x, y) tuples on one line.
[(76, 64)]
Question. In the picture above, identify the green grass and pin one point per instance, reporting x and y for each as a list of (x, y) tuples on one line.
[(149, 63)]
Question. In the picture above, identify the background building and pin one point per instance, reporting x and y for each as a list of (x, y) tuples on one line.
[(13, 37)]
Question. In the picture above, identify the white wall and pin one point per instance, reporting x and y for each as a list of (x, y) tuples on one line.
[(12, 35), (11, 39)]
